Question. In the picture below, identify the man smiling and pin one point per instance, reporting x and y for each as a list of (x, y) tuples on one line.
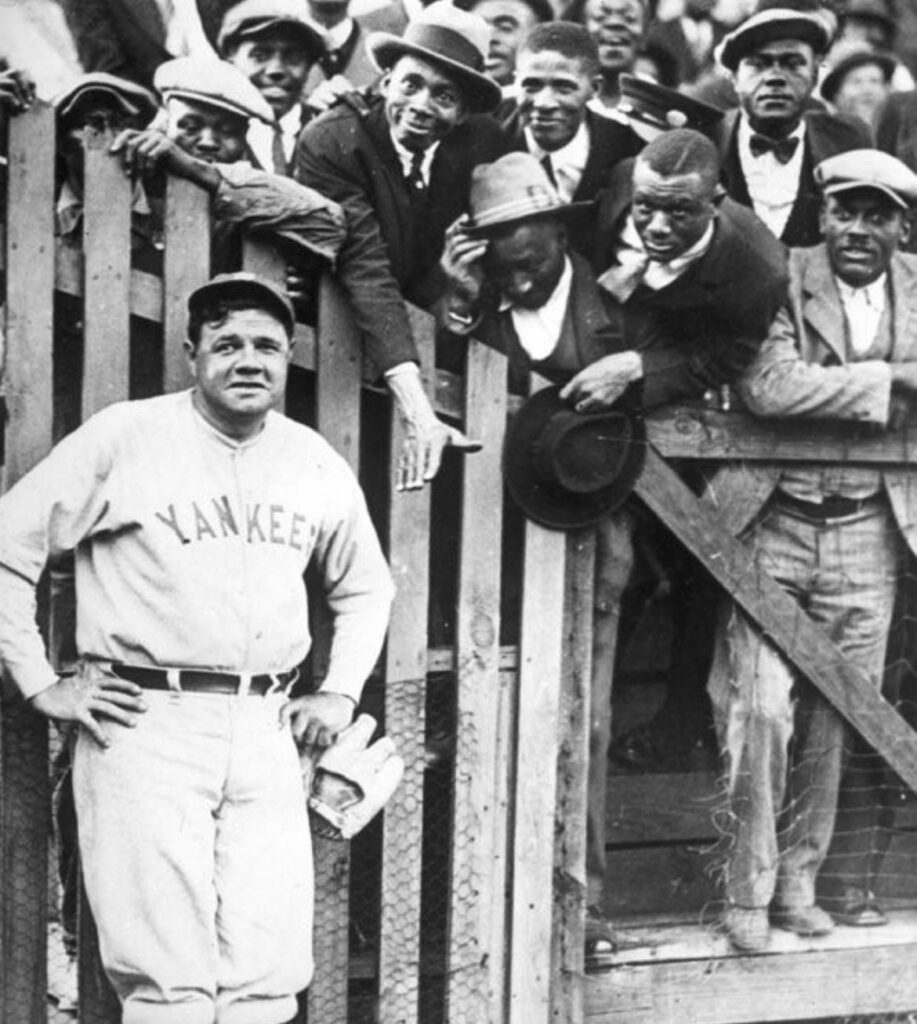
[(400, 164), (193, 516)]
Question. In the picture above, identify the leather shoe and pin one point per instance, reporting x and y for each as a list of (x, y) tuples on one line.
[(803, 920), (600, 935), (857, 908), (747, 927)]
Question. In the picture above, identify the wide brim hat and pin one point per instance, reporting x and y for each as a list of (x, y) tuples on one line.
[(857, 169), (134, 99), (250, 18), (452, 39), (512, 189), (243, 285), (565, 469), (659, 108), (849, 61), (767, 26), (213, 82)]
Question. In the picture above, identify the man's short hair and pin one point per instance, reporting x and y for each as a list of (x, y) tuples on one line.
[(683, 151), (566, 38)]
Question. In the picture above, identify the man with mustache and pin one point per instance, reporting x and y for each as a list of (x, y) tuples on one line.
[(771, 145), (836, 538)]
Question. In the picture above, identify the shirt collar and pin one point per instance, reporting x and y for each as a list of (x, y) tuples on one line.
[(337, 35), (574, 154), (746, 131), (630, 237), (874, 293), (406, 156), (560, 294)]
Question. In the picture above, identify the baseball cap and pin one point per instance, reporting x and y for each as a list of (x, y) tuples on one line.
[(243, 285)]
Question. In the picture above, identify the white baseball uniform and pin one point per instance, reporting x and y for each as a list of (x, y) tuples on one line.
[(190, 552)]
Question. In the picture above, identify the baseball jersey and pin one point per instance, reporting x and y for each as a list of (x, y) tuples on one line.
[(190, 547)]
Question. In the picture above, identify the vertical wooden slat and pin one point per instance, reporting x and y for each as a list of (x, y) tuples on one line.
[(405, 715), (540, 670), (264, 260), (186, 266), (572, 777), (24, 788), (107, 249), (475, 982), (338, 357)]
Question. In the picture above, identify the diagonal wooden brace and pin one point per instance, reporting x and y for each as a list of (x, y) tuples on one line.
[(778, 616)]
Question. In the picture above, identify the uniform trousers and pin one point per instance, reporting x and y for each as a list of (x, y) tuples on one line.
[(782, 741), (197, 860)]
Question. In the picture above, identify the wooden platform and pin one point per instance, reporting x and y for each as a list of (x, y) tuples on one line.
[(686, 973)]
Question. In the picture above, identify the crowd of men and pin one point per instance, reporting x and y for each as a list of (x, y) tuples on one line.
[(525, 178)]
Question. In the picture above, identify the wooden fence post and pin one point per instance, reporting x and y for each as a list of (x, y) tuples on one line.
[(24, 788)]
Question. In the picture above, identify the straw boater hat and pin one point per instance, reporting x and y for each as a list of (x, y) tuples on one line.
[(213, 82), (652, 108), (566, 469), (453, 40), (252, 17), (868, 168), (513, 188), (814, 27), (133, 99)]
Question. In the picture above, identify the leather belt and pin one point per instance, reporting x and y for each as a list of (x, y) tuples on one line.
[(193, 680), (835, 506)]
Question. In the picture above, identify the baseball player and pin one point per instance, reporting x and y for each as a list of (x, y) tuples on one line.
[(193, 517)]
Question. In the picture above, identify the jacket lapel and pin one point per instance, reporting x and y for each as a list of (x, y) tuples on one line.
[(822, 309), (904, 297)]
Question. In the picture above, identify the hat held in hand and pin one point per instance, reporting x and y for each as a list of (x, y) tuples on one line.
[(566, 469), (352, 781)]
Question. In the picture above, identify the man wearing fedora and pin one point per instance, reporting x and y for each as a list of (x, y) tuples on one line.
[(273, 43), (836, 537), (557, 74), (400, 164), (772, 144)]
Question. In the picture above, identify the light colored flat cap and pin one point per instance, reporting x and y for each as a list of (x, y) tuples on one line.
[(213, 82), (250, 18), (868, 168)]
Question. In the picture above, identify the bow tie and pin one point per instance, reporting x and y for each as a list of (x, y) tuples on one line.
[(783, 149)]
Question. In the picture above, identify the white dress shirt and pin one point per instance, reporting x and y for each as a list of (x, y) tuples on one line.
[(338, 34), (406, 156), (772, 186), (539, 329), (261, 137), (567, 163), (633, 264), (863, 309)]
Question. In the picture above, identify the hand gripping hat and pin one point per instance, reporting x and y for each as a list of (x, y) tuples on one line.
[(454, 40), (514, 188), (815, 27), (868, 168), (652, 108), (352, 781), (250, 18), (214, 83), (566, 469)]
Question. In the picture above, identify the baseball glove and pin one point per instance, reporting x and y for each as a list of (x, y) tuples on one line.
[(353, 781)]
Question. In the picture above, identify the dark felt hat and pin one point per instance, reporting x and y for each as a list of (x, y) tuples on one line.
[(243, 285), (250, 18), (133, 99), (566, 469), (452, 39), (658, 108), (851, 59)]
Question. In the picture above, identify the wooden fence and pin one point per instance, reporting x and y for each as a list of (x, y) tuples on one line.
[(510, 949)]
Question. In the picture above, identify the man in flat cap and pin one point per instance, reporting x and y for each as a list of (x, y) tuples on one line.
[(273, 43), (193, 517), (772, 144), (400, 164), (834, 536), (557, 74)]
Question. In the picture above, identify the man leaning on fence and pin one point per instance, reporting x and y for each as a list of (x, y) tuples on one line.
[(834, 536), (193, 516)]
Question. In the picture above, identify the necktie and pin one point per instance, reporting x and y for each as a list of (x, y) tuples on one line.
[(278, 155), (783, 149), (549, 168), (414, 178), (623, 278)]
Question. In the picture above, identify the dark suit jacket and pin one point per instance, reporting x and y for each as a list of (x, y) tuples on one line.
[(826, 135), (609, 142), (394, 243), (708, 323)]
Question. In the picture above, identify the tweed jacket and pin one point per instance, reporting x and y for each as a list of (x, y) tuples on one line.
[(712, 318), (394, 241), (825, 135), (802, 371)]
